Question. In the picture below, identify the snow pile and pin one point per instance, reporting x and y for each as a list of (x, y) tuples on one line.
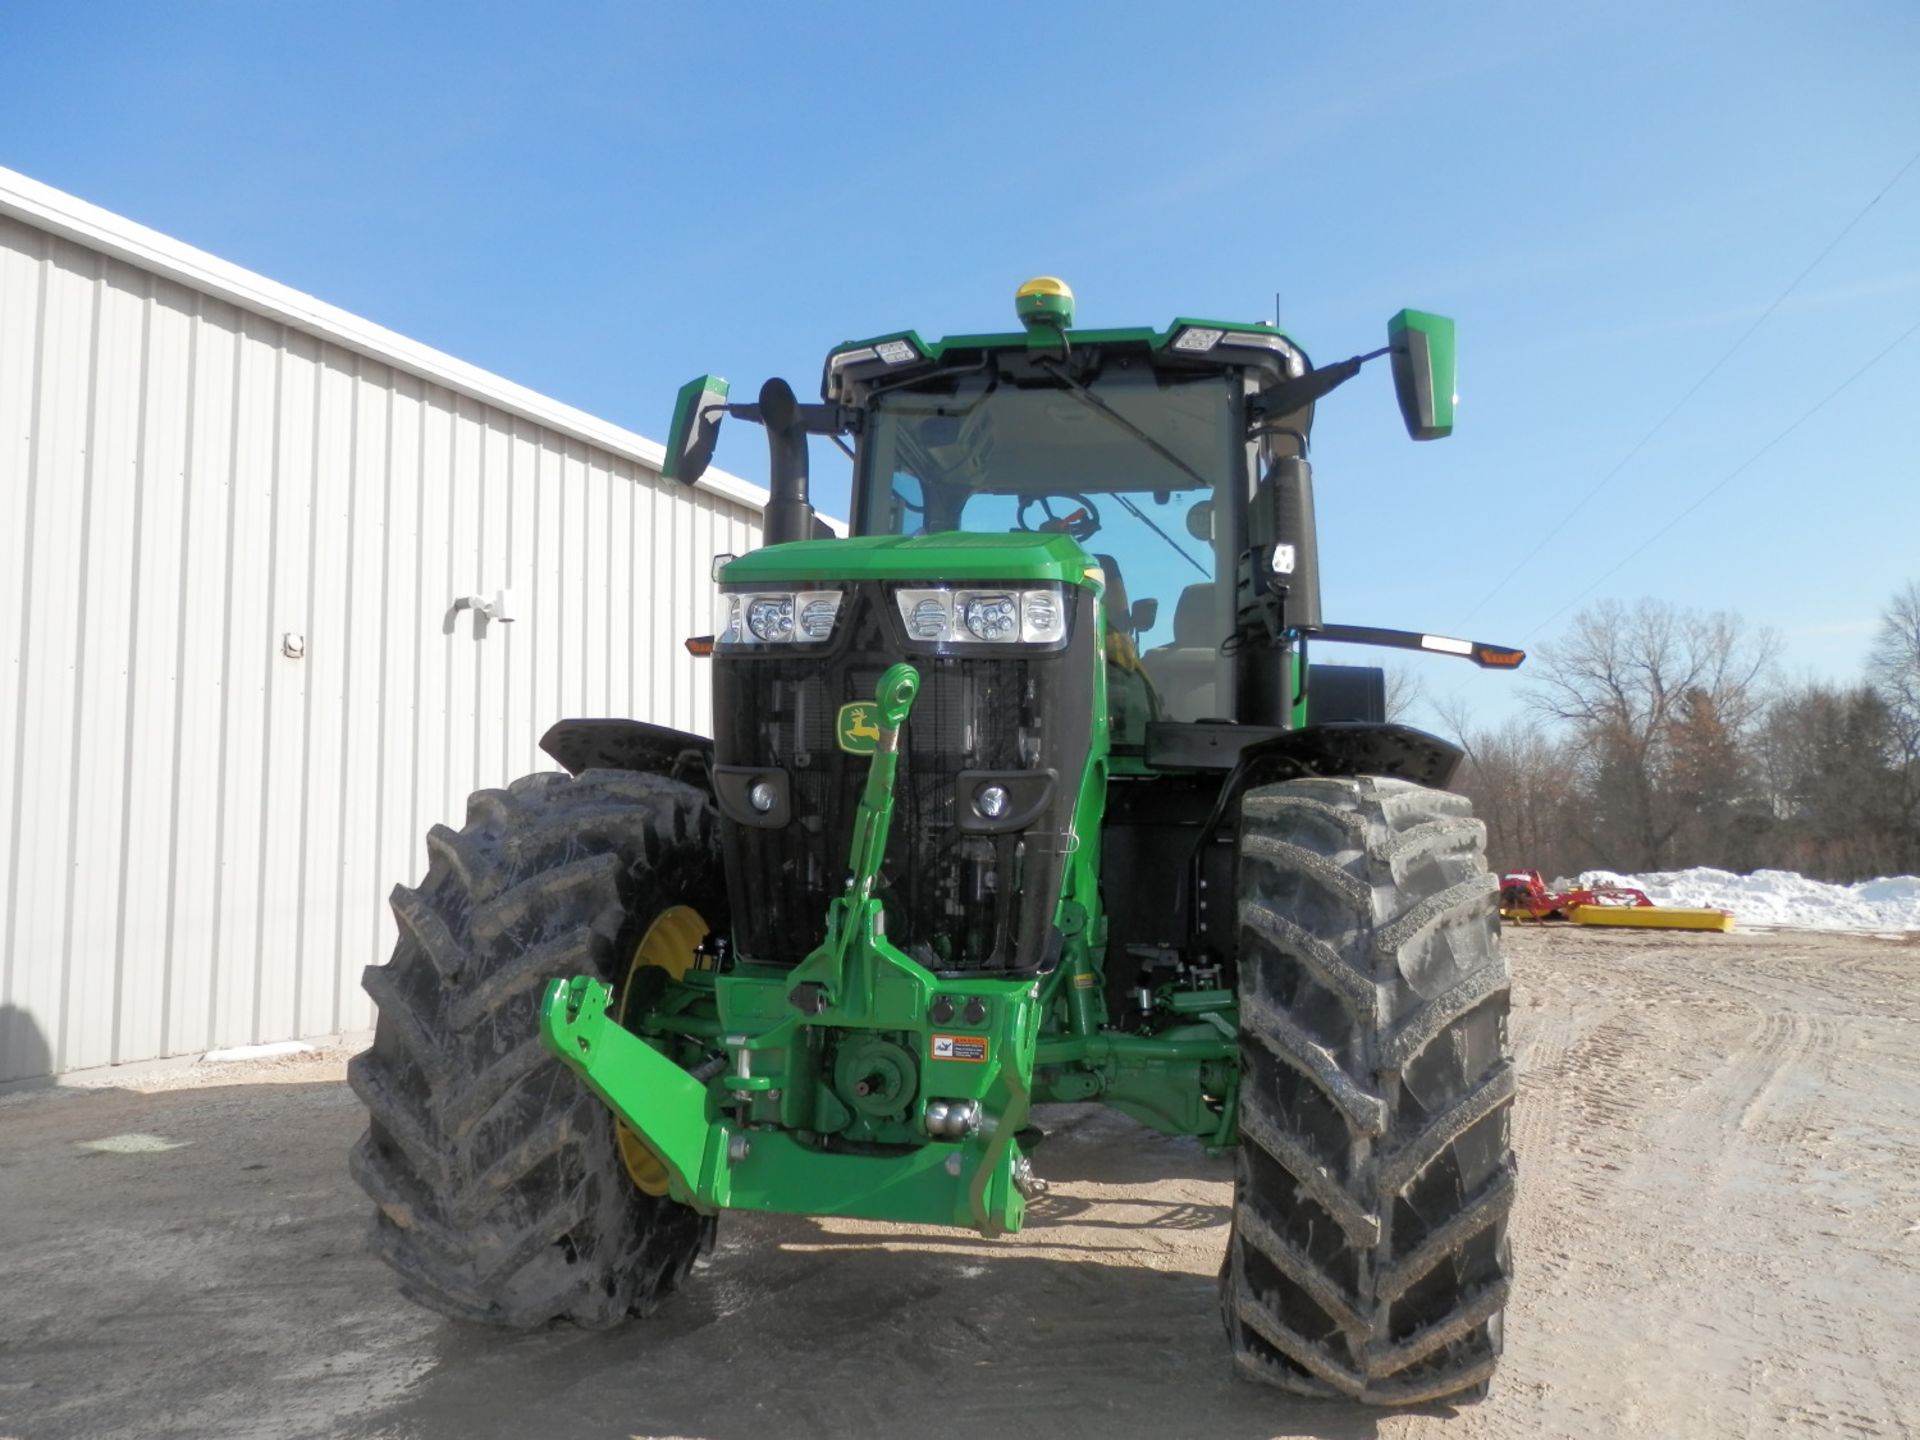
[(1780, 897)]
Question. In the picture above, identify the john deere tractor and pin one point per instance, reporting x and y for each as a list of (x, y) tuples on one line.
[(1023, 792)]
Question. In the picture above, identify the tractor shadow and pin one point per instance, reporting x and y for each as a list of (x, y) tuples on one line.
[(1057, 1208), (25, 1057), (800, 1327), (791, 1331), (242, 1299)]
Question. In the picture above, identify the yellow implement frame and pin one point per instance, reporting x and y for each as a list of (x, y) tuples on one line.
[(1650, 917)]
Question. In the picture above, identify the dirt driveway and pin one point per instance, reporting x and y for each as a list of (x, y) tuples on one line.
[(1719, 1234)]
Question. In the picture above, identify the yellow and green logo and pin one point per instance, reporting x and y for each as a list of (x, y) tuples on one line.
[(859, 727)]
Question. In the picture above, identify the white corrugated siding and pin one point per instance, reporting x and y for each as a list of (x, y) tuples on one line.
[(198, 833)]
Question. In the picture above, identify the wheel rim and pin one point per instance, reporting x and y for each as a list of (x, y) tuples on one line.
[(670, 945)]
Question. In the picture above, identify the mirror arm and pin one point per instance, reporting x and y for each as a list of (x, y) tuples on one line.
[(1486, 656), (828, 420), (1297, 394)]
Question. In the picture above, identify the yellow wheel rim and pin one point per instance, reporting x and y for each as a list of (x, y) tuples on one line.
[(669, 945)]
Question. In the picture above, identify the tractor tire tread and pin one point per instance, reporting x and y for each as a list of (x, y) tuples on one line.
[(498, 1191), (424, 926), (1375, 1175), (1326, 963), (1274, 1028), (576, 952)]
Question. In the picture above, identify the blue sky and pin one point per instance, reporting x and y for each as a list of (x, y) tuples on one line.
[(601, 200)]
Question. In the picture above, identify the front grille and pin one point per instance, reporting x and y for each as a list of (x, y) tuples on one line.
[(956, 902)]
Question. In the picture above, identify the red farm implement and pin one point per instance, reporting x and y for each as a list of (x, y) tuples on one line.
[(1524, 896)]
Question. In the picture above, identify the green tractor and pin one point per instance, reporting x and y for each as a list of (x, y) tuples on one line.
[(1023, 792)]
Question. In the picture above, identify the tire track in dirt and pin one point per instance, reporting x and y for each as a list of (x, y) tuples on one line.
[(1668, 1092), (1717, 1234)]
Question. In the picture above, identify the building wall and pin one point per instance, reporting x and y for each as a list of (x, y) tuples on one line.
[(198, 830)]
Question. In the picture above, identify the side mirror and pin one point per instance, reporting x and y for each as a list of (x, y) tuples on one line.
[(697, 412), (1141, 617), (1423, 372)]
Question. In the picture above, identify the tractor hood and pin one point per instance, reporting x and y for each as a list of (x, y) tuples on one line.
[(951, 555)]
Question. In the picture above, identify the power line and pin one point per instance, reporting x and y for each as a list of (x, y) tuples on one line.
[(1566, 517), (1727, 479)]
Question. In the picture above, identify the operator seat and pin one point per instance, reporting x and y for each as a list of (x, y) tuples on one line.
[(1131, 702), (1184, 672)]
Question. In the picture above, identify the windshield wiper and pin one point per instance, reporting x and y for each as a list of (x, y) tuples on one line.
[(1080, 392), (1144, 519)]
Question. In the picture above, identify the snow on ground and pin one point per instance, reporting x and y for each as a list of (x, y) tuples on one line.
[(1780, 897), (256, 1052)]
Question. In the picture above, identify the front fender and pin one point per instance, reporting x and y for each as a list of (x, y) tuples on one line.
[(630, 745), (1353, 747)]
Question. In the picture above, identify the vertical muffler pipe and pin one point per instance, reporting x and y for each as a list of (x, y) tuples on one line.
[(789, 512)]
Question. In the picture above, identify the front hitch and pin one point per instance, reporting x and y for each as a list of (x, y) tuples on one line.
[(620, 1067)]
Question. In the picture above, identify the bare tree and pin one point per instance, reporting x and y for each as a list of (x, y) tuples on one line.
[(1830, 767), (1517, 776), (1893, 664), (1657, 701), (1893, 669), (1657, 740), (1404, 691)]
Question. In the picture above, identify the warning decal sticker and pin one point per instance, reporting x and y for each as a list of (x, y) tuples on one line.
[(960, 1047)]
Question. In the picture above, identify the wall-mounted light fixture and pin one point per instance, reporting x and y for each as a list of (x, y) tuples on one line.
[(501, 607)]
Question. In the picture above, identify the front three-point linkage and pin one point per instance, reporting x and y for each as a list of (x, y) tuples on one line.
[(840, 971)]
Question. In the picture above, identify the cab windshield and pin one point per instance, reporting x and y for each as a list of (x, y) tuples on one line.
[(982, 452)]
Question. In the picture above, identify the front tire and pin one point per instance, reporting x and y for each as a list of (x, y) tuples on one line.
[(500, 1192), (1369, 1252)]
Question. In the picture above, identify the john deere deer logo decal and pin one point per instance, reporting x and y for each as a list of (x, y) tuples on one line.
[(859, 728)]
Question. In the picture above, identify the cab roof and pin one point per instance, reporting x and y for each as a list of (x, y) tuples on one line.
[(1205, 344)]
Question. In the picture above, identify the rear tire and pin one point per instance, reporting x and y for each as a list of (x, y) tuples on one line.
[(499, 1188), (1369, 1254)]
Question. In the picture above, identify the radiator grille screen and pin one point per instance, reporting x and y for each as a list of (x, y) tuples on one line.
[(956, 902)]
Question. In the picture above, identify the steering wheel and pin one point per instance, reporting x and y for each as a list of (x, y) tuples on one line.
[(1082, 524)]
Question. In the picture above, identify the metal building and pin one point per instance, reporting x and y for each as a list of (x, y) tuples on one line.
[(238, 532)]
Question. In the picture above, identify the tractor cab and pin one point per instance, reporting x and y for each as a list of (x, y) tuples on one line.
[(1133, 449), (1147, 447)]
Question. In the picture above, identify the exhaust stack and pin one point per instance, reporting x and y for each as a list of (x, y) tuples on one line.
[(789, 512)]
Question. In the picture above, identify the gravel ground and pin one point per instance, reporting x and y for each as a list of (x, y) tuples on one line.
[(1718, 1235)]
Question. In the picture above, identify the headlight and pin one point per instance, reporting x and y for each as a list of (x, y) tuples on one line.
[(984, 617), (817, 616), (991, 617), (1197, 338), (770, 617), (1203, 339), (777, 618), (1043, 617), (927, 618), (866, 362)]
